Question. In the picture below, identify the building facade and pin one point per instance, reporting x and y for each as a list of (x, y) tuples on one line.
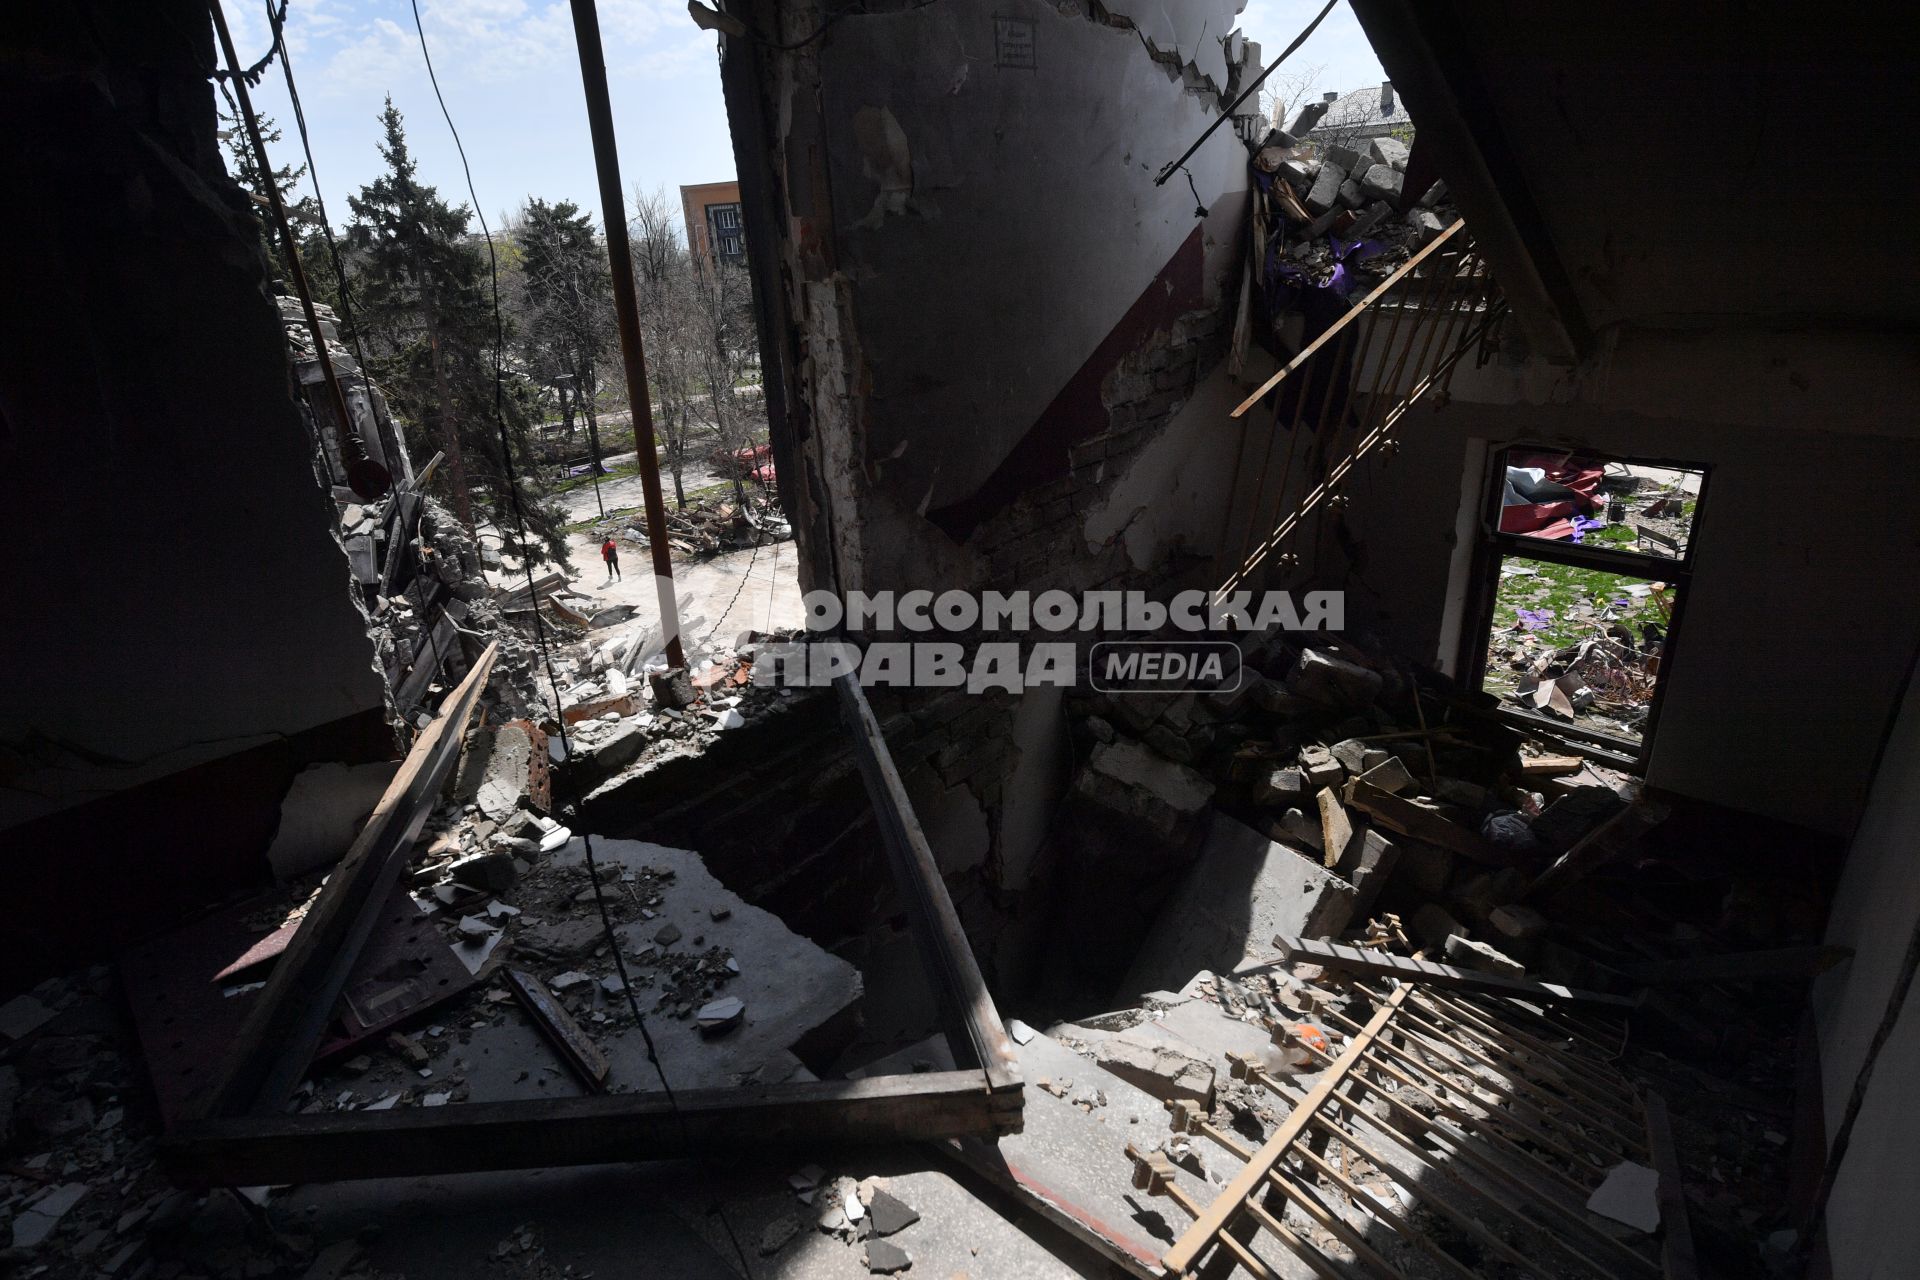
[(712, 213)]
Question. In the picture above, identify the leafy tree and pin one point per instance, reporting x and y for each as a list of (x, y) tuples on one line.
[(567, 329), (422, 296)]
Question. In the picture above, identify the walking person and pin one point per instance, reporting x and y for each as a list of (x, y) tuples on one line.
[(610, 552)]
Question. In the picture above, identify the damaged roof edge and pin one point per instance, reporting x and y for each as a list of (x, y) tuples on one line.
[(1442, 90)]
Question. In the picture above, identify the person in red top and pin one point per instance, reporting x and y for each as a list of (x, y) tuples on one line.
[(610, 552)]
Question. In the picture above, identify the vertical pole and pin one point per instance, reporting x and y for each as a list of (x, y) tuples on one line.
[(593, 76), (367, 478)]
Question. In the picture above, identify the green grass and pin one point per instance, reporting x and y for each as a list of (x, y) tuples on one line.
[(586, 481), (1557, 589)]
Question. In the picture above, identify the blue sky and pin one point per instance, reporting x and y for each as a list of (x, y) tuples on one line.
[(512, 81)]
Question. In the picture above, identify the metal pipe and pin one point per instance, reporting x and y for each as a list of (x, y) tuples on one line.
[(626, 306), (368, 478)]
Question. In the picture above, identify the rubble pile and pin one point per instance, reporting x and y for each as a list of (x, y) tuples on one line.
[(1320, 758), (80, 1193), (706, 526), (624, 709), (1337, 217), (427, 601)]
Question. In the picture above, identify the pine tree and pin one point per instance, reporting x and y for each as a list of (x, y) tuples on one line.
[(422, 298), (303, 212)]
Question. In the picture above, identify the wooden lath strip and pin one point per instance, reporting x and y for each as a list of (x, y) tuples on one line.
[(1374, 295), (1211, 1225), (1522, 1180)]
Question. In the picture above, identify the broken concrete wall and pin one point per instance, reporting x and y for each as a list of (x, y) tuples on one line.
[(1794, 635), (182, 638), (1001, 344), (1875, 913), (975, 249)]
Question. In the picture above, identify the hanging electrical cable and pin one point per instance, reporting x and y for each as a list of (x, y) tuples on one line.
[(540, 633)]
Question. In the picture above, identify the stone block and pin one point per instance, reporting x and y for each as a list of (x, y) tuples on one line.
[(1382, 182), (1297, 828), (1325, 192), (1367, 865), (508, 773), (1426, 225), (1469, 953), (1346, 157), (1388, 151), (1127, 778), (1283, 788), (1321, 678), (1391, 775), (1351, 753), (1431, 926), (1351, 196), (1519, 930), (1242, 890)]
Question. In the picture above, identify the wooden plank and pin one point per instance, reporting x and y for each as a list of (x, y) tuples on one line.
[(1782, 964), (1677, 1259), (1336, 829), (1334, 329), (1337, 955), (1599, 846), (557, 1132), (1414, 820), (275, 1045), (582, 1056), (1551, 766), (1200, 1236), (974, 1026)]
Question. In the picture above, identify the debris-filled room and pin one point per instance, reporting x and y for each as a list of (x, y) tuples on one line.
[(1266, 642)]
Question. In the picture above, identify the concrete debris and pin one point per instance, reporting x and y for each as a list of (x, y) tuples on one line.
[(1160, 1068), (1629, 1194), (1470, 953), (1130, 779), (889, 1213), (719, 1016), (778, 1233), (1320, 677), (37, 1220), (23, 1015), (885, 1258)]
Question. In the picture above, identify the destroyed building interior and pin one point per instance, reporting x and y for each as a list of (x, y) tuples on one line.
[(378, 906)]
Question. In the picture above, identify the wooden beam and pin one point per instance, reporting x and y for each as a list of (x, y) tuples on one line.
[(1677, 1259), (275, 1044), (1783, 964), (555, 1132), (1397, 813), (974, 1025), (1200, 1236), (1551, 766), (1333, 329), (1337, 955), (1599, 846)]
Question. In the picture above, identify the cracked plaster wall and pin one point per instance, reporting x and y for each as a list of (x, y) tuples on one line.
[(177, 598)]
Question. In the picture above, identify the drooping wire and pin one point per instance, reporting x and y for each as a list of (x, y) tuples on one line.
[(1174, 166), (540, 632), (277, 22)]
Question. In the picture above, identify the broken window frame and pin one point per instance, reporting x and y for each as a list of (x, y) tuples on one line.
[(1495, 546), (244, 1138)]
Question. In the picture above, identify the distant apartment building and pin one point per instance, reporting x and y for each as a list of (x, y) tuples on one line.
[(712, 212)]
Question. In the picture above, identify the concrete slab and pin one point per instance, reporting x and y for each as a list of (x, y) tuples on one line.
[(490, 1050), (1243, 890), (1070, 1162)]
